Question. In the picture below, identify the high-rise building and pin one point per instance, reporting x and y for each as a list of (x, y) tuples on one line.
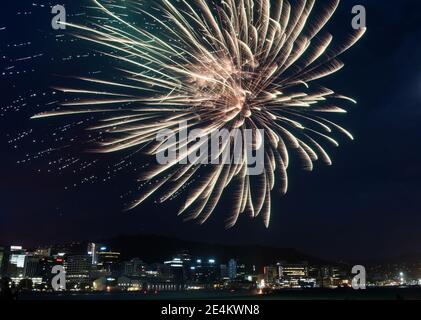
[(270, 274), (332, 276), (180, 268), (31, 267), (134, 267), (176, 270), (107, 260), (232, 269), (46, 265), (224, 271), (206, 271), (78, 268), (16, 262), (339, 276), (241, 271), (93, 249), (4, 259)]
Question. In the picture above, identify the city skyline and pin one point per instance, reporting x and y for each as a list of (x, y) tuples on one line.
[(97, 267)]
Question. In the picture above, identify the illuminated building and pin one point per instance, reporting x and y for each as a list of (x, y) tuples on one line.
[(206, 271), (16, 262), (43, 252), (293, 271), (270, 274), (176, 270), (129, 284), (332, 277), (232, 269), (134, 267), (180, 267), (46, 264), (185, 257), (99, 284), (339, 277), (31, 267), (163, 286), (104, 284), (295, 275), (92, 251), (224, 271), (78, 268), (241, 271), (107, 260)]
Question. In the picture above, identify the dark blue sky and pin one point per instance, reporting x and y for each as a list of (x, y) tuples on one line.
[(368, 204)]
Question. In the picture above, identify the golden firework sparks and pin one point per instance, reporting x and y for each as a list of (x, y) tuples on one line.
[(234, 64)]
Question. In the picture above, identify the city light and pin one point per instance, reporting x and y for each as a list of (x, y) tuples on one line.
[(182, 272)]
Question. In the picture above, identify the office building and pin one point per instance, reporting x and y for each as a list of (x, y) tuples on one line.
[(134, 268), (224, 271), (31, 267), (78, 268), (206, 271), (232, 269), (270, 274), (292, 270), (16, 262), (107, 260)]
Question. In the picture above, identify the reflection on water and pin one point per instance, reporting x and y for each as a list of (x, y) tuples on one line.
[(311, 294)]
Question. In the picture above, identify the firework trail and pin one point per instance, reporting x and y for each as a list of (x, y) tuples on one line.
[(235, 65)]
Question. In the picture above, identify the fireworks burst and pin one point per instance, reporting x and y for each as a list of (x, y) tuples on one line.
[(233, 64)]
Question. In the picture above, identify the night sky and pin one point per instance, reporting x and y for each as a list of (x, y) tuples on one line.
[(368, 204)]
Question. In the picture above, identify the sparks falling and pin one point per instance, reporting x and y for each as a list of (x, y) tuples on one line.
[(231, 64)]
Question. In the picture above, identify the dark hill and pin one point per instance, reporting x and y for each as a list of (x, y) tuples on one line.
[(153, 248)]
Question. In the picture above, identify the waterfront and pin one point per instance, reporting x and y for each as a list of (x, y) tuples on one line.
[(394, 293)]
